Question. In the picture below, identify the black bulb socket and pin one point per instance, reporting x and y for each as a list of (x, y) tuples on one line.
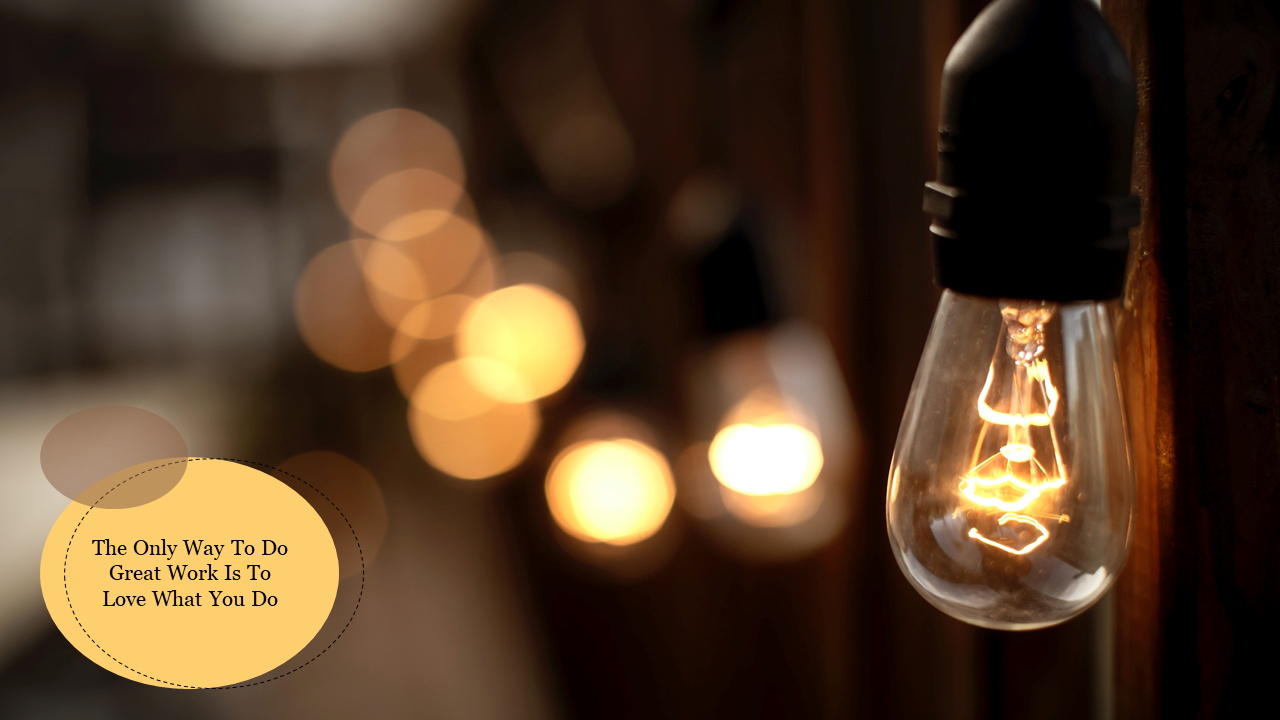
[(1035, 156)]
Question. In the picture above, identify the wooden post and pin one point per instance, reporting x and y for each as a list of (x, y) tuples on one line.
[(1198, 606)]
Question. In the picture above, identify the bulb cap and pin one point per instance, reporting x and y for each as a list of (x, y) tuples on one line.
[(1035, 156), (1030, 248)]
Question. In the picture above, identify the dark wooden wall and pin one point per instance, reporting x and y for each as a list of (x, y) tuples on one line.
[(1197, 608)]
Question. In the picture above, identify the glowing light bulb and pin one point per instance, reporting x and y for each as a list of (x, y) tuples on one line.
[(529, 338), (1011, 490), (774, 443), (766, 460), (616, 491)]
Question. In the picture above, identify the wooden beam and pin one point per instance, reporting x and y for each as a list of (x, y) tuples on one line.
[(1198, 606)]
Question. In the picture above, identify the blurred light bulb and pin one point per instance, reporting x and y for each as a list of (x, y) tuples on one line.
[(1010, 494), (616, 491), (766, 460), (779, 510), (775, 442), (529, 337)]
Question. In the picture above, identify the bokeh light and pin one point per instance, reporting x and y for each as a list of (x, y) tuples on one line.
[(447, 254), (424, 336), (531, 337), (423, 287), (396, 286), (447, 394), (436, 318), (415, 358), (393, 164), (406, 204), (765, 460), (616, 491), (387, 268), (480, 446), (780, 510), (335, 316), (765, 445), (705, 497)]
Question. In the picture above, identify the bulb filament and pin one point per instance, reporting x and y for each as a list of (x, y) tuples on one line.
[(1014, 517), (1014, 481)]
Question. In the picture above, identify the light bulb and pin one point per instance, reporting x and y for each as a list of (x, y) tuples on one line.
[(610, 491), (1010, 494), (616, 491), (771, 458), (773, 442)]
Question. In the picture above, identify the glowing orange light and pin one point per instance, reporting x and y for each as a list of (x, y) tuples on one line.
[(414, 358), (1014, 480), (406, 204), (455, 259), (437, 318), (529, 336), (395, 285), (972, 487), (418, 222), (448, 254), (766, 460), (415, 323), (1013, 517), (617, 491), (1038, 371), (447, 394), (389, 269), (480, 446), (778, 510)]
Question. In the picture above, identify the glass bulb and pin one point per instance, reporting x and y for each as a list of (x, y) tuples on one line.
[(1011, 490), (773, 441)]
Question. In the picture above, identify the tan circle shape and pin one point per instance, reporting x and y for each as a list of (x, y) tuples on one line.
[(168, 631), (92, 451)]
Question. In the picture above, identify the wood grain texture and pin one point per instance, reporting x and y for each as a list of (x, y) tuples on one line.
[(1144, 370), (1198, 604)]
